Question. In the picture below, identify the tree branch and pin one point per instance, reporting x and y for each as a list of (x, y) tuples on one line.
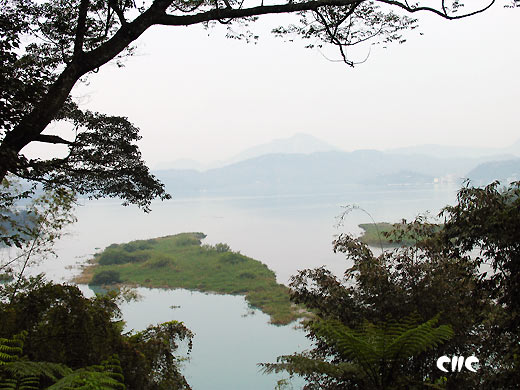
[(52, 139), (45, 111), (442, 14), (113, 4), (233, 13), (82, 27), (333, 37)]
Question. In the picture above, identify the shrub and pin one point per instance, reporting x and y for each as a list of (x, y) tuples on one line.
[(231, 258), (113, 256), (139, 256), (222, 248), (137, 245), (105, 277), (118, 256), (160, 261)]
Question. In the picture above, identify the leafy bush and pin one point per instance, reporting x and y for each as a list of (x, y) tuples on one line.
[(222, 248), (106, 277), (141, 255), (160, 261), (137, 245), (118, 256), (232, 258), (56, 323), (113, 256)]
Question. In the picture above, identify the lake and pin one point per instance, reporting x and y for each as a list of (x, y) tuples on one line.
[(287, 233)]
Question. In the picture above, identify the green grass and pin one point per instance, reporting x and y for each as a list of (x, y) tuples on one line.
[(181, 261)]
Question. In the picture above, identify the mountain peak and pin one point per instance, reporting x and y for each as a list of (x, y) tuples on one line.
[(300, 143)]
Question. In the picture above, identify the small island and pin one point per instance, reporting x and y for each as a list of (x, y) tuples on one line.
[(374, 234), (390, 235), (182, 261)]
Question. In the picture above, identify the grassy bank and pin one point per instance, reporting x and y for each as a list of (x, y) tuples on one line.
[(381, 234), (181, 261), (373, 235)]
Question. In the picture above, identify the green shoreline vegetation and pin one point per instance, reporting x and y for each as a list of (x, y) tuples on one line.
[(181, 261), (390, 235), (374, 235)]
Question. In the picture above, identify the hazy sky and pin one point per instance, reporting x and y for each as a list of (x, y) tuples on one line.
[(207, 97)]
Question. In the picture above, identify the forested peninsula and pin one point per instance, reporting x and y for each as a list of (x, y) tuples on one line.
[(182, 261)]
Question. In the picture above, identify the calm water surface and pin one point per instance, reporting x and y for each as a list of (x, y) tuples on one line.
[(286, 233)]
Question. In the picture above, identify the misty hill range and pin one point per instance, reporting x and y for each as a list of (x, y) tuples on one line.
[(303, 164)]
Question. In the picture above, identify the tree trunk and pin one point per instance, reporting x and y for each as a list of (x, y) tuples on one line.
[(35, 122)]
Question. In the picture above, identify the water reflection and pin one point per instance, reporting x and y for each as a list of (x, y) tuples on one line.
[(230, 338)]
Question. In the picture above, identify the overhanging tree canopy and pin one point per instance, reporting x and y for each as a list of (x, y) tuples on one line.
[(46, 47)]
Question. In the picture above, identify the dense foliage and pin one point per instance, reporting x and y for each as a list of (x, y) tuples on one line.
[(82, 336), (488, 219), (103, 159), (18, 373), (465, 275), (371, 357)]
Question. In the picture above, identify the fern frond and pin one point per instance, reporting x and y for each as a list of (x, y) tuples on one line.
[(83, 379), (18, 374), (368, 354), (29, 383), (303, 365), (8, 384), (112, 367), (51, 371), (390, 341), (418, 339), (357, 346), (105, 376), (11, 349)]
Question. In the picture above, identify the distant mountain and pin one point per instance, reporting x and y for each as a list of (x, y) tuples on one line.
[(299, 143), (322, 172), (504, 171), (442, 151)]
